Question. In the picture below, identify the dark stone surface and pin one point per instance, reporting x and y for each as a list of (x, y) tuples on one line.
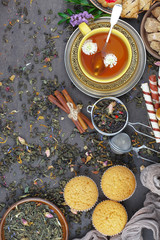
[(14, 46)]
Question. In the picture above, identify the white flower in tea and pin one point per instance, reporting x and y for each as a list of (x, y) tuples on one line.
[(89, 47), (110, 60), (111, 107)]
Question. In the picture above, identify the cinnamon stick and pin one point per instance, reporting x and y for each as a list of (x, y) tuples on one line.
[(62, 100), (87, 120), (78, 125), (55, 101), (80, 115), (69, 99)]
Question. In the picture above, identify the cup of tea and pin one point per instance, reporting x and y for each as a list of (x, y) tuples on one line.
[(118, 53)]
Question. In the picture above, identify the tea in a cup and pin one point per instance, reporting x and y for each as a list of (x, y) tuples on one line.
[(118, 53)]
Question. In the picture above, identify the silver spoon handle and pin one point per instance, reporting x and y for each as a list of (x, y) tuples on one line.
[(136, 149), (116, 12), (146, 159), (153, 150), (110, 30), (138, 123), (143, 146)]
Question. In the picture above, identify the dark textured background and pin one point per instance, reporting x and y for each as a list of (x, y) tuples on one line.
[(13, 52)]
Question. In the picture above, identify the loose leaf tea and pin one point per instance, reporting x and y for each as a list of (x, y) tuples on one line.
[(32, 221), (109, 115), (40, 149)]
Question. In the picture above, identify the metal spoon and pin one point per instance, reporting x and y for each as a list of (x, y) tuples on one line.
[(98, 64), (121, 143)]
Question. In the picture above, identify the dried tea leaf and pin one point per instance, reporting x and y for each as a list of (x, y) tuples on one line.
[(12, 78)]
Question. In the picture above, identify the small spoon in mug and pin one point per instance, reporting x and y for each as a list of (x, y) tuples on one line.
[(98, 63)]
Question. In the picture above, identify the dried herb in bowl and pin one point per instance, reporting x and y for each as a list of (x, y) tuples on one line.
[(32, 221), (109, 116)]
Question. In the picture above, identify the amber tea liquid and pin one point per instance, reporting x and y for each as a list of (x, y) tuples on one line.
[(115, 46)]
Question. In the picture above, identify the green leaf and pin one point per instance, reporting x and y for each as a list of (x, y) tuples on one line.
[(80, 2), (26, 190), (78, 11), (68, 20), (86, 8), (105, 15), (70, 12), (63, 15), (97, 16), (73, 1), (62, 21), (98, 12), (85, 2), (91, 9)]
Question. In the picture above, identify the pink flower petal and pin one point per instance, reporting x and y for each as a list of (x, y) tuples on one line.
[(21, 140), (73, 211), (48, 215), (105, 163), (157, 63), (111, 107), (47, 152), (24, 222)]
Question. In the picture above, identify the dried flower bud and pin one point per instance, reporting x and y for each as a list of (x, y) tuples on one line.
[(24, 222), (48, 215), (142, 167), (22, 141), (105, 163), (111, 107), (47, 152)]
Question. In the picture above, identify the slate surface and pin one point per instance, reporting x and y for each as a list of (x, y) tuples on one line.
[(13, 52)]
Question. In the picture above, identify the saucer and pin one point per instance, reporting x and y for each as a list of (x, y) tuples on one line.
[(121, 85)]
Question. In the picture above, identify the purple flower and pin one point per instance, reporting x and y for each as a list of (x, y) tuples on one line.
[(84, 20), (76, 19), (74, 23)]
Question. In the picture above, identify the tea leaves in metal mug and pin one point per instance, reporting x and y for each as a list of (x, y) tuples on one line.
[(91, 109)]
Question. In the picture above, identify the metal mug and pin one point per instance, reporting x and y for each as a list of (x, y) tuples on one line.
[(90, 109)]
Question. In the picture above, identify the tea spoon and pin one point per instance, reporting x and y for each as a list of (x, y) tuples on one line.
[(121, 143), (98, 63)]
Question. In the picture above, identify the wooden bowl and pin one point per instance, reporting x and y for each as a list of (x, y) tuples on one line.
[(144, 33), (39, 200)]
